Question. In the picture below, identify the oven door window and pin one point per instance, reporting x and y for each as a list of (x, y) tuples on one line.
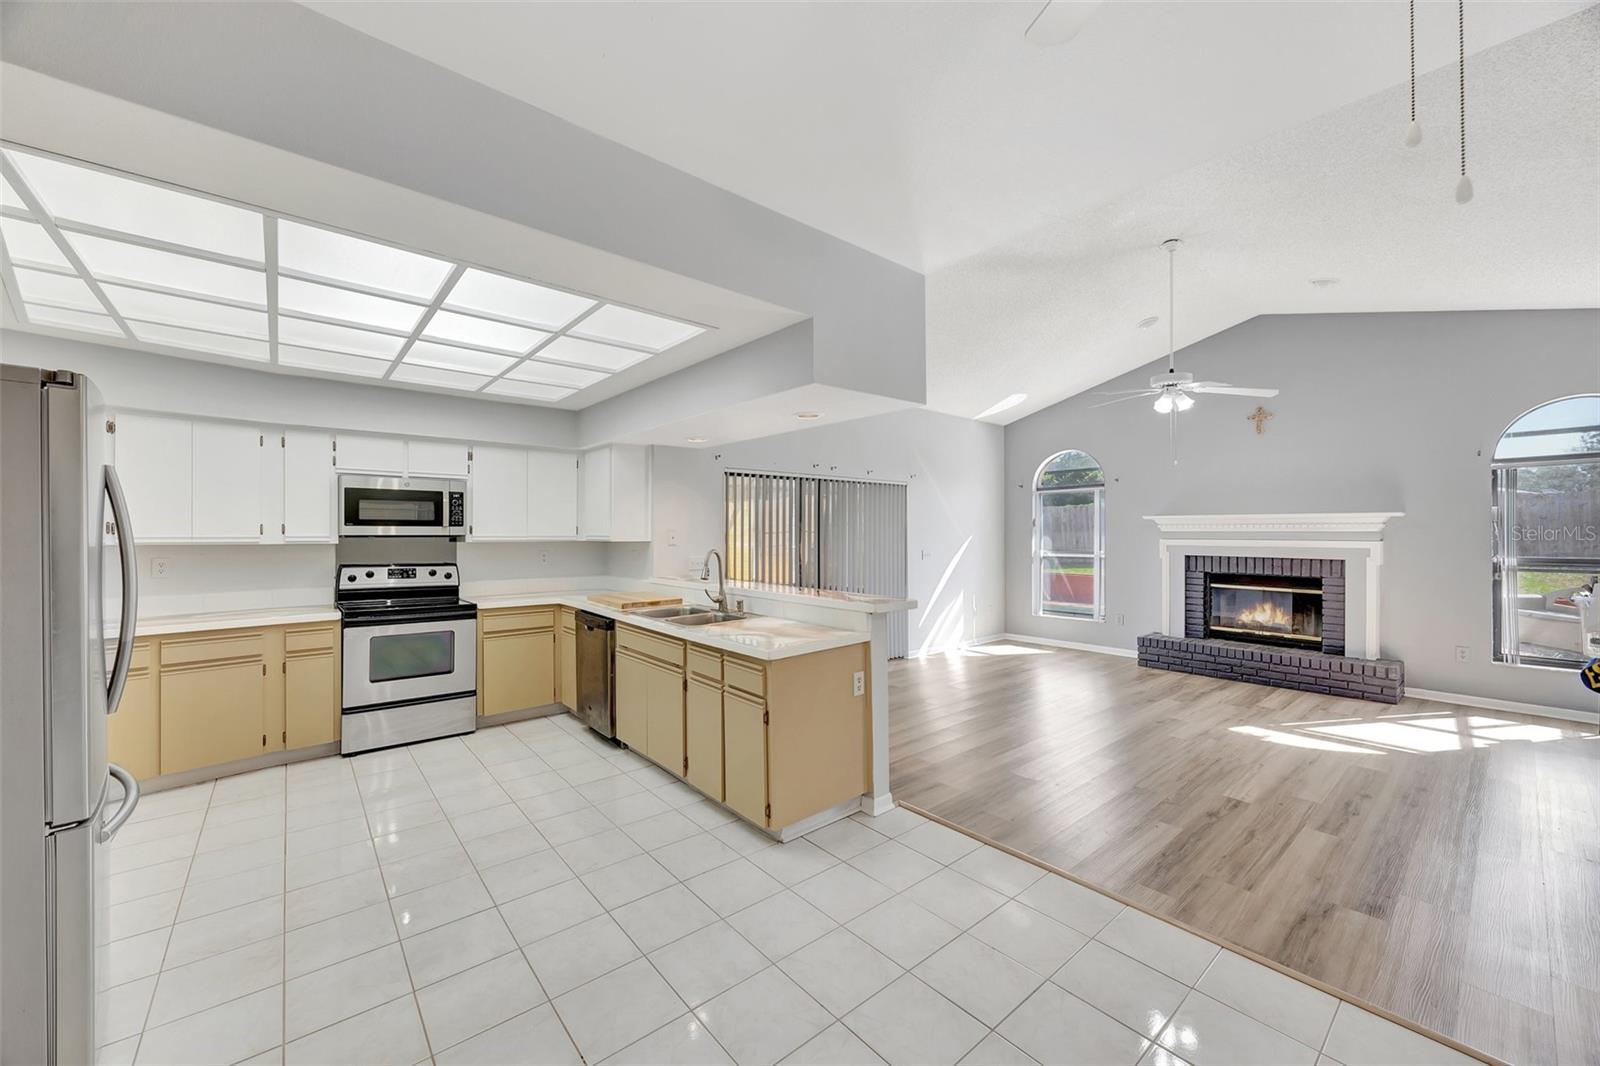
[(393, 507), (402, 656)]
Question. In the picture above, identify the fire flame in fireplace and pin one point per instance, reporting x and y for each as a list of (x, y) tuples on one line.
[(1265, 615)]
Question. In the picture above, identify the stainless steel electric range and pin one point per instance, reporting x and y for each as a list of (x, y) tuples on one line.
[(410, 654)]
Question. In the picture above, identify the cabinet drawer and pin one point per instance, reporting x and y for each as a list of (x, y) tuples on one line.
[(650, 645), (513, 621), (706, 664), (298, 641), (568, 620), (222, 646), (744, 676), (143, 657)]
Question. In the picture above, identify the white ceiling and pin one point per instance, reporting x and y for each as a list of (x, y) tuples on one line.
[(1034, 185), (929, 131)]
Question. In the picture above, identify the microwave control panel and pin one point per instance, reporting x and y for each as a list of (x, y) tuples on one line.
[(458, 509)]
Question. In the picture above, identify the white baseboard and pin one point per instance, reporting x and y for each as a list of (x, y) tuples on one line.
[(1487, 703), (1074, 645)]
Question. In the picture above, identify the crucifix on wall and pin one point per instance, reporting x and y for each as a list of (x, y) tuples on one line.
[(1259, 416)]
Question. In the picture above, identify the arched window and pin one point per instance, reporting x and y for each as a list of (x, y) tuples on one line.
[(1069, 537), (1546, 481)]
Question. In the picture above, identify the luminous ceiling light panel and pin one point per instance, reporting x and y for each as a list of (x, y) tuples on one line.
[(426, 353), (200, 341), (624, 325), (527, 390), (551, 374), (27, 242), (312, 359), (94, 197), (325, 254), (178, 311), (522, 301), (447, 379), (464, 329), (118, 261), (326, 301), (337, 338), (62, 290), (9, 197), (80, 320), (590, 353)]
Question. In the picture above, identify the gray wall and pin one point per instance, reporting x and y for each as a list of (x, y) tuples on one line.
[(1382, 412)]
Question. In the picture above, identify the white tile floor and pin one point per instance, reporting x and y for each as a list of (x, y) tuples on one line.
[(530, 894)]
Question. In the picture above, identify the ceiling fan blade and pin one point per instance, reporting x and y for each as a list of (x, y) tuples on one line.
[(1146, 394), (1059, 21), (1220, 389)]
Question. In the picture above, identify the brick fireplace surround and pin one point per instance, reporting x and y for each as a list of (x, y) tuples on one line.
[(1326, 670)]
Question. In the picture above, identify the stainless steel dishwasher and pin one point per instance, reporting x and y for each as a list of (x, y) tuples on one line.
[(597, 640)]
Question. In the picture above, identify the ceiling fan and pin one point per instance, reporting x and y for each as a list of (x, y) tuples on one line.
[(1175, 391)]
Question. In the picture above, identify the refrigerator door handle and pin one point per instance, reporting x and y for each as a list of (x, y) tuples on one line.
[(130, 595), (130, 800)]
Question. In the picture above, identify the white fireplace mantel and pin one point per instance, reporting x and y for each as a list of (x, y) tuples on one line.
[(1355, 536)]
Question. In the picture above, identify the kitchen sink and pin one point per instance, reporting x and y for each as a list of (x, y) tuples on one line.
[(705, 618), (672, 613)]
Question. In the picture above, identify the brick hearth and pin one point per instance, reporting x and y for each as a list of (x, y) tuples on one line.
[(1309, 671)]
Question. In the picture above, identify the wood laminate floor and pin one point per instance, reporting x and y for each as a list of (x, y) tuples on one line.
[(1439, 861)]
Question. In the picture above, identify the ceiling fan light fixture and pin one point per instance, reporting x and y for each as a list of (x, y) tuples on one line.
[(1164, 403), (1183, 401)]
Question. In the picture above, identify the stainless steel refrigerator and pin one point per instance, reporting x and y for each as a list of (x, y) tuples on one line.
[(68, 600)]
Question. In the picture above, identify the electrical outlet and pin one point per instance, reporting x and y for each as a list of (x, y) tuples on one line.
[(672, 538), (1121, 619), (859, 684), (1461, 653), (544, 557), (158, 568)]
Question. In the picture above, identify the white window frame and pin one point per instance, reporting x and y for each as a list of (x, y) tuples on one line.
[(1097, 557)]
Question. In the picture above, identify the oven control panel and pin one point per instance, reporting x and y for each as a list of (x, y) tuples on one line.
[(391, 576), (458, 510)]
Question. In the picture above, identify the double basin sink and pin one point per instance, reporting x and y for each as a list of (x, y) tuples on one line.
[(690, 616)]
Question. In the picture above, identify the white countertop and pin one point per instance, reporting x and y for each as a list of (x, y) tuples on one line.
[(843, 601), (209, 620), (758, 636)]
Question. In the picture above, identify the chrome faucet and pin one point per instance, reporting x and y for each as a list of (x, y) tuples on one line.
[(721, 598)]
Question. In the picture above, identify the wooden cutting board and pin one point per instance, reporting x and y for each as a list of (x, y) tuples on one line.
[(631, 601)]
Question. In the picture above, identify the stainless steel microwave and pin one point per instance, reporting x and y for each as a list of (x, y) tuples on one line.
[(376, 506)]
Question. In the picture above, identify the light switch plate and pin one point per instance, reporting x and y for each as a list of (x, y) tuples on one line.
[(860, 683)]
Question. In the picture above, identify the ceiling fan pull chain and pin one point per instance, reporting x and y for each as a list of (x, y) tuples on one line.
[(1413, 131), (1463, 186)]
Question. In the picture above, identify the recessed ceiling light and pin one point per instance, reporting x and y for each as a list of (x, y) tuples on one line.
[(427, 353), (1324, 283), (1146, 323), (808, 416), (201, 341), (464, 329), (358, 308), (325, 254), (695, 440), (191, 314), (309, 334), (112, 202), (1003, 405), (591, 354), (623, 325), (520, 301)]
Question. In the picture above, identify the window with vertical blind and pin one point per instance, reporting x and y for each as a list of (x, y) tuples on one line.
[(820, 533)]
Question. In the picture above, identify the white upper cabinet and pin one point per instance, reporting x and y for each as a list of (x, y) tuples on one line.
[(615, 496), (154, 460), (498, 493), (227, 483), (552, 495), (429, 458), (371, 455), (308, 486)]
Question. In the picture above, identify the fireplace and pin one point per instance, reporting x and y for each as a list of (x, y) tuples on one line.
[(1264, 609)]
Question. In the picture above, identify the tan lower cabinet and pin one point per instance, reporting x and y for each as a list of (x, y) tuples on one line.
[(632, 681), (133, 734), (650, 696), (702, 727), (567, 658), (744, 739), (213, 699), (664, 740), (311, 685), (516, 660)]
